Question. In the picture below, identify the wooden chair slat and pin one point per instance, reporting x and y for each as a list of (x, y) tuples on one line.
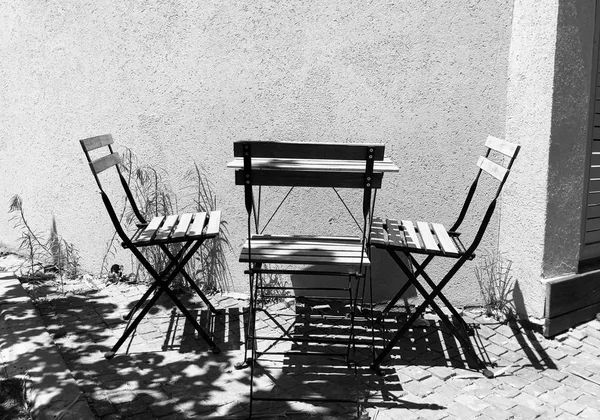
[(105, 162), (302, 245), (148, 233), (378, 235), (182, 226), (492, 168), (198, 224), (395, 234), (165, 230), (412, 237), (306, 252), (502, 146), (308, 238), (427, 237), (445, 241), (314, 260), (214, 223), (93, 143), (316, 252), (270, 149), (308, 179), (325, 165)]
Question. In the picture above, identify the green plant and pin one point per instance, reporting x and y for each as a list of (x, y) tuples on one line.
[(496, 284), (55, 254), (154, 197), (32, 242), (211, 264)]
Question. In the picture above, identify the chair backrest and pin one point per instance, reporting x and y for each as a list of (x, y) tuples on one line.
[(498, 172), (308, 165), (108, 158)]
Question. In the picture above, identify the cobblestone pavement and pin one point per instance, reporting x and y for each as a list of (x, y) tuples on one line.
[(165, 372)]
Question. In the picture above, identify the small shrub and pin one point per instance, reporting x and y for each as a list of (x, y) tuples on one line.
[(54, 255), (496, 284), (154, 198)]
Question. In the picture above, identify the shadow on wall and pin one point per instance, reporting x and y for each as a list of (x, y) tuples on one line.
[(519, 301)]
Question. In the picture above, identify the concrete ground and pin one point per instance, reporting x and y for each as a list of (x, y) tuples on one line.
[(165, 372)]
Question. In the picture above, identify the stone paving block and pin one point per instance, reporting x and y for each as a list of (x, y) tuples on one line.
[(471, 401), (555, 354), (495, 349), (514, 381), (568, 392), (507, 391), (534, 389), (462, 411), (522, 412), (417, 373), (572, 407), (557, 375), (547, 383), (589, 413), (553, 399), (131, 408), (531, 402), (500, 401)]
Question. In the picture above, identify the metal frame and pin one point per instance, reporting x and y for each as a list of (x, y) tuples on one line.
[(255, 271), (460, 329), (163, 279)]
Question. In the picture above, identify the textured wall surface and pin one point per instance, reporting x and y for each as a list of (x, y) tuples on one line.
[(529, 122), (179, 81)]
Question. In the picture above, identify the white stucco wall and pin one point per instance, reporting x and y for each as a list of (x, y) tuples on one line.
[(180, 81), (547, 113)]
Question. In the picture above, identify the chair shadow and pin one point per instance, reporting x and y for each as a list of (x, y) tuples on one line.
[(325, 375)]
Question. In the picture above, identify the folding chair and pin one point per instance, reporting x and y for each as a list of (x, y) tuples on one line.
[(305, 165), (431, 240), (188, 230)]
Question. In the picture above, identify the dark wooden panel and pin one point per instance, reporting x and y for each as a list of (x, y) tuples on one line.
[(592, 237), (592, 212), (309, 179), (341, 151), (593, 198), (559, 324), (571, 294), (594, 186), (595, 172), (592, 224)]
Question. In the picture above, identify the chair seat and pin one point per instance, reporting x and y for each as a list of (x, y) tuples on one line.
[(417, 237), (316, 250), (178, 228)]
